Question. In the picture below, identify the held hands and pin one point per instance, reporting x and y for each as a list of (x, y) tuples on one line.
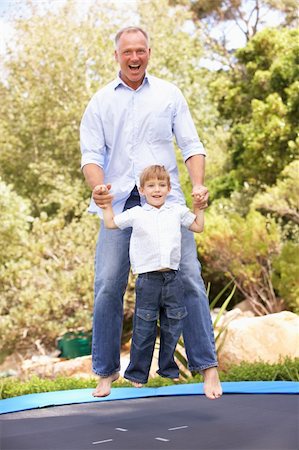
[(200, 196), (102, 196)]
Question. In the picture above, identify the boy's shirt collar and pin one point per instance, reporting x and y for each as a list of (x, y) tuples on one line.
[(148, 207)]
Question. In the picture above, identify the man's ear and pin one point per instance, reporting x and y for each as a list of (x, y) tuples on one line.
[(115, 55)]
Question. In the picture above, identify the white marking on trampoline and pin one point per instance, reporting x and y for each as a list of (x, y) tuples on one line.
[(162, 439), (178, 428), (102, 442), (121, 429)]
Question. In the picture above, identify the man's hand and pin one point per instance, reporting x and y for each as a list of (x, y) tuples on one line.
[(200, 196), (102, 196)]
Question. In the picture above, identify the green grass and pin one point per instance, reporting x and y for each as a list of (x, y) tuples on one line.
[(288, 370)]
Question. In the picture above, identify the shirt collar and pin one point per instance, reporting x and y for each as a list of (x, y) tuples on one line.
[(148, 207), (118, 81)]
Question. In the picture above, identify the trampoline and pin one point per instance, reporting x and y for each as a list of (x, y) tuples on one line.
[(250, 415)]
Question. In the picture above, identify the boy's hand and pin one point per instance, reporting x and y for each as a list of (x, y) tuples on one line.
[(200, 196), (102, 196)]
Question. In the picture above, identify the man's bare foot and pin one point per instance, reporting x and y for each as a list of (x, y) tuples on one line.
[(104, 387), (136, 384), (212, 387), (176, 380)]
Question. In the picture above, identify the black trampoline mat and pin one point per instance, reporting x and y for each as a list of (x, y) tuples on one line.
[(238, 421)]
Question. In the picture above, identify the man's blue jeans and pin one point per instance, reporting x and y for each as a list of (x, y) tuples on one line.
[(112, 267), (158, 294)]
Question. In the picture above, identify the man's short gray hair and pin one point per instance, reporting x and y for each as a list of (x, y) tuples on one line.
[(131, 29)]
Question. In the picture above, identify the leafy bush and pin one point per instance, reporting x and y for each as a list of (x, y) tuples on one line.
[(286, 275), (243, 248)]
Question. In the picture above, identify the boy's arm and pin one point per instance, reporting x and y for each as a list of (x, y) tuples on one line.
[(108, 213), (198, 225)]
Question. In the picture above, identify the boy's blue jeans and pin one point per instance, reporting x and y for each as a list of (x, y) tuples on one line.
[(112, 267), (158, 294)]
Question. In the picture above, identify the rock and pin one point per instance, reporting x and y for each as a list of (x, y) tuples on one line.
[(269, 338), (71, 367), (228, 316)]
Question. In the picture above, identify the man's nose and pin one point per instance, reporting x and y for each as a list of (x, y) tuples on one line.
[(134, 55)]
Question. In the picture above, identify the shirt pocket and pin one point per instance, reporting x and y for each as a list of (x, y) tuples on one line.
[(160, 128)]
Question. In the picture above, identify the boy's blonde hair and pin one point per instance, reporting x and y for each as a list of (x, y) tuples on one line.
[(153, 172)]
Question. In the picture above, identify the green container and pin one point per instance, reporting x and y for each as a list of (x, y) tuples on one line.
[(74, 343)]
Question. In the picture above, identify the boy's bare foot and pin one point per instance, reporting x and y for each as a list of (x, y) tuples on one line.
[(176, 380), (104, 387), (136, 384), (212, 387)]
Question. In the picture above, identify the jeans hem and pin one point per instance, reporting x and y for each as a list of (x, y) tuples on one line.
[(200, 369), (134, 379), (106, 375), (167, 376)]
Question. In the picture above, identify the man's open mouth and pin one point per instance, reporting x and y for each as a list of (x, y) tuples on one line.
[(134, 67)]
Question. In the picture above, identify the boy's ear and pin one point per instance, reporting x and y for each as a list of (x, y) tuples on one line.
[(141, 191)]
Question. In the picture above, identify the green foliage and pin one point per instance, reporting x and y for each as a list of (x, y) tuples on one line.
[(287, 370), (14, 223), (286, 275), (49, 290), (281, 200), (242, 248), (259, 99)]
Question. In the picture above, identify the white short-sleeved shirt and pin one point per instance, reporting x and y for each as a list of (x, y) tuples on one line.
[(156, 237)]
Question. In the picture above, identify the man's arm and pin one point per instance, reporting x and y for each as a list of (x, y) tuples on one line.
[(94, 176), (196, 168)]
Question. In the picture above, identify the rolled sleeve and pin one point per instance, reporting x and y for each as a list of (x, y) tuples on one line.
[(92, 138), (124, 219), (187, 217), (185, 131)]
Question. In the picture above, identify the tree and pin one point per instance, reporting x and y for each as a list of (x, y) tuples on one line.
[(247, 15), (259, 100)]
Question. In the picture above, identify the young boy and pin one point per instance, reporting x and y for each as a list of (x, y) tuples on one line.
[(155, 251)]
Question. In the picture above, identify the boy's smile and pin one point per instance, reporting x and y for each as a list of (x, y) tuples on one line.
[(155, 192)]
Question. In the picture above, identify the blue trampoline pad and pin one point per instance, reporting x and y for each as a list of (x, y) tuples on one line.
[(75, 396)]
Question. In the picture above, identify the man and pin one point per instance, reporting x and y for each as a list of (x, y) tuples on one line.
[(129, 125)]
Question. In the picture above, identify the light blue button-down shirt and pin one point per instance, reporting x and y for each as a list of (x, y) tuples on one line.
[(125, 130)]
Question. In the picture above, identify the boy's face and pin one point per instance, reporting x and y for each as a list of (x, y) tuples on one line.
[(155, 192)]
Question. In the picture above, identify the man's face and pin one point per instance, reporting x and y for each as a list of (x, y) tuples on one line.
[(133, 55)]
